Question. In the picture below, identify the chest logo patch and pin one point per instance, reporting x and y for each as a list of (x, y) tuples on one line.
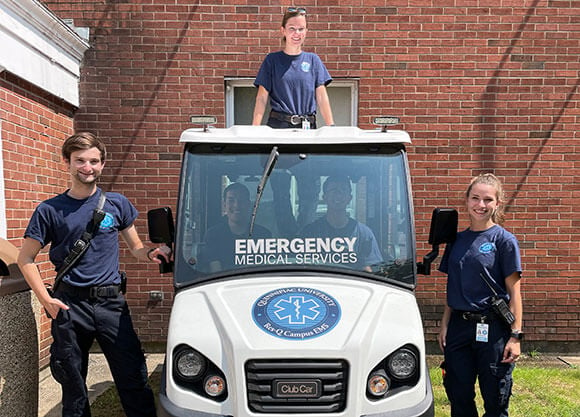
[(296, 313), (305, 66), (107, 223), (487, 247)]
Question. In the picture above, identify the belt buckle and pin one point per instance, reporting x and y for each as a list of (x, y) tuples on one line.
[(102, 292), (295, 119), (466, 315)]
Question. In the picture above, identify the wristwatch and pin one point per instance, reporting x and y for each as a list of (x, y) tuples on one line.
[(517, 334)]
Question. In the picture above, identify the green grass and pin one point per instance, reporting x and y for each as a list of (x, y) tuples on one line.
[(539, 391)]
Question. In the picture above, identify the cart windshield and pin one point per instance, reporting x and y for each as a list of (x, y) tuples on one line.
[(318, 208)]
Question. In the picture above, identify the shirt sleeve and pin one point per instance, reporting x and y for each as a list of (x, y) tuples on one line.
[(510, 255), (444, 265), (37, 228), (264, 77), (322, 75), (128, 213)]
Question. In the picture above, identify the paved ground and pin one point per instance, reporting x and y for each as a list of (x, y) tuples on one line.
[(99, 378)]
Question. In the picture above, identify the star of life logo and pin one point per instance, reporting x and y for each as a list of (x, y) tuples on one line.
[(296, 313)]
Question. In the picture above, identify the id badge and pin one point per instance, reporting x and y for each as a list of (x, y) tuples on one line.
[(482, 332), (305, 124)]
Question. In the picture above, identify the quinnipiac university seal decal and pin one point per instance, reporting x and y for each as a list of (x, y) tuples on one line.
[(296, 313)]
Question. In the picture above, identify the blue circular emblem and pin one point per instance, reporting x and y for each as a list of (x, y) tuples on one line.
[(296, 313), (305, 66), (487, 247), (107, 222)]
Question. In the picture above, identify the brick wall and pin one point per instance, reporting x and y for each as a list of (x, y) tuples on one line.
[(33, 128), (480, 85)]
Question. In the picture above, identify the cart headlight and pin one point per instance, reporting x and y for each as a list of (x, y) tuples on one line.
[(403, 364), (378, 384), (189, 364), (214, 385)]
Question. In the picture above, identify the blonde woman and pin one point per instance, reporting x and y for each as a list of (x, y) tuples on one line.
[(477, 342)]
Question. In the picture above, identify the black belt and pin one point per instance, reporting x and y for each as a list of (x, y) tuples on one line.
[(293, 119), (107, 291), (482, 317)]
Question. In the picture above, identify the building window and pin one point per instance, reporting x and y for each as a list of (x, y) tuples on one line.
[(241, 96)]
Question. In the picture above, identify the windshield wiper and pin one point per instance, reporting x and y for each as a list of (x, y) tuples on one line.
[(267, 171)]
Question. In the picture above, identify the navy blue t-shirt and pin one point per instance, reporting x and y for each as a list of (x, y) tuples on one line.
[(61, 220), (291, 81), (494, 249), (220, 244), (366, 246)]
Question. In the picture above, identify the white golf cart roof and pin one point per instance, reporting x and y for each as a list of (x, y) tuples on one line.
[(266, 135)]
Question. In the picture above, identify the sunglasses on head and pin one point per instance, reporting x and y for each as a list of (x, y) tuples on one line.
[(300, 10)]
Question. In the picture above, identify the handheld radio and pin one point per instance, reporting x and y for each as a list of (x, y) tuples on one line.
[(498, 304)]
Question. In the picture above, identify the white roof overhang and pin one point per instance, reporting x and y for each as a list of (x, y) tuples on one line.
[(40, 48)]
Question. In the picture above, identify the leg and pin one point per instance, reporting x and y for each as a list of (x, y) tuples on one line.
[(460, 371), (495, 378), (122, 348), (69, 359)]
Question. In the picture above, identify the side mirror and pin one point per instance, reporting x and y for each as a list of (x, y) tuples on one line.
[(443, 230), (443, 226), (161, 230), (160, 223)]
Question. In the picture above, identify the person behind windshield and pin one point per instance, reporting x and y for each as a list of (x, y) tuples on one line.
[(337, 194), (293, 80), (219, 252)]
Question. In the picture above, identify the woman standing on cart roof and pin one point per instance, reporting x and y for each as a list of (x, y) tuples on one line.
[(293, 80)]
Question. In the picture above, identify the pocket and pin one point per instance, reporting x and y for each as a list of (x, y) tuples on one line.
[(61, 350), (58, 368), (503, 374)]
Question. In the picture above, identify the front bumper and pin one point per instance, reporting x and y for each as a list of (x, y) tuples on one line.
[(426, 408)]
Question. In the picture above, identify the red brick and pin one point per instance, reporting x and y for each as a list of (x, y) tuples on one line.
[(479, 86)]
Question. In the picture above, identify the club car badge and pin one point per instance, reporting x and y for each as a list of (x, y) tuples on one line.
[(296, 313)]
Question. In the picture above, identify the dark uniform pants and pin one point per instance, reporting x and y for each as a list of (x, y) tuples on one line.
[(466, 360), (108, 321)]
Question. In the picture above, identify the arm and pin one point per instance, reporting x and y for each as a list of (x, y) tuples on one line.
[(260, 107), (512, 348), (141, 252), (324, 105), (443, 331), (26, 257)]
